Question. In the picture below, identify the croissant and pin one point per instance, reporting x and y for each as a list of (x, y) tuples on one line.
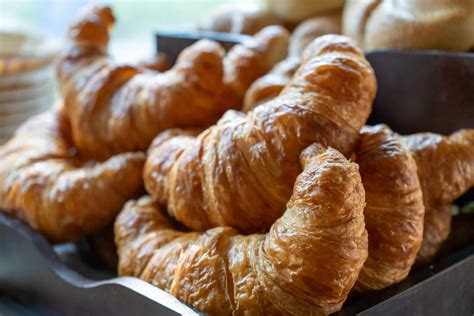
[(306, 264), (271, 84), (249, 61), (414, 24), (437, 226), (119, 108), (394, 207), (446, 171), (64, 197), (240, 172)]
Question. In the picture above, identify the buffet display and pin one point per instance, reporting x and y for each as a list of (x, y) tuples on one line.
[(246, 181)]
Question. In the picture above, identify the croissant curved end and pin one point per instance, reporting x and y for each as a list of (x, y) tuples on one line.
[(445, 167), (44, 182), (92, 25), (394, 208)]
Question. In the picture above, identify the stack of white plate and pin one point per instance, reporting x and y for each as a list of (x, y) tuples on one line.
[(26, 79)]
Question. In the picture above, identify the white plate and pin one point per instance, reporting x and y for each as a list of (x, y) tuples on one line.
[(27, 79), (17, 118), (22, 52)]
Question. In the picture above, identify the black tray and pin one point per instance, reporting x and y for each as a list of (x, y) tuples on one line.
[(38, 279), (58, 281)]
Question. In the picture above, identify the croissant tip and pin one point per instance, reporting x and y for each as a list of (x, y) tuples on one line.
[(329, 43), (274, 31)]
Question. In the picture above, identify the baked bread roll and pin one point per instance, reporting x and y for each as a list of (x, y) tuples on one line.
[(249, 61), (305, 265), (446, 171), (241, 172), (299, 10), (394, 207), (44, 182), (309, 29), (118, 108), (242, 18), (414, 24)]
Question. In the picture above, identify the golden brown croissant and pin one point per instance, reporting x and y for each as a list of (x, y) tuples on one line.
[(446, 171), (394, 207), (118, 108), (306, 264), (436, 229), (250, 60), (414, 24), (241, 172), (270, 85), (44, 183)]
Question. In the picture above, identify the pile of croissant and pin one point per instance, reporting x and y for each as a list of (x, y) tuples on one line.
[(282, 208)]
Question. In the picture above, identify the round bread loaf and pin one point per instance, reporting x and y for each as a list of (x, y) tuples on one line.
[(246, 18), (411, 24), (299, 10)]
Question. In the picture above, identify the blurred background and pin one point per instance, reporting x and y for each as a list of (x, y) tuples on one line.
[(33, 32), (136, 20)]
